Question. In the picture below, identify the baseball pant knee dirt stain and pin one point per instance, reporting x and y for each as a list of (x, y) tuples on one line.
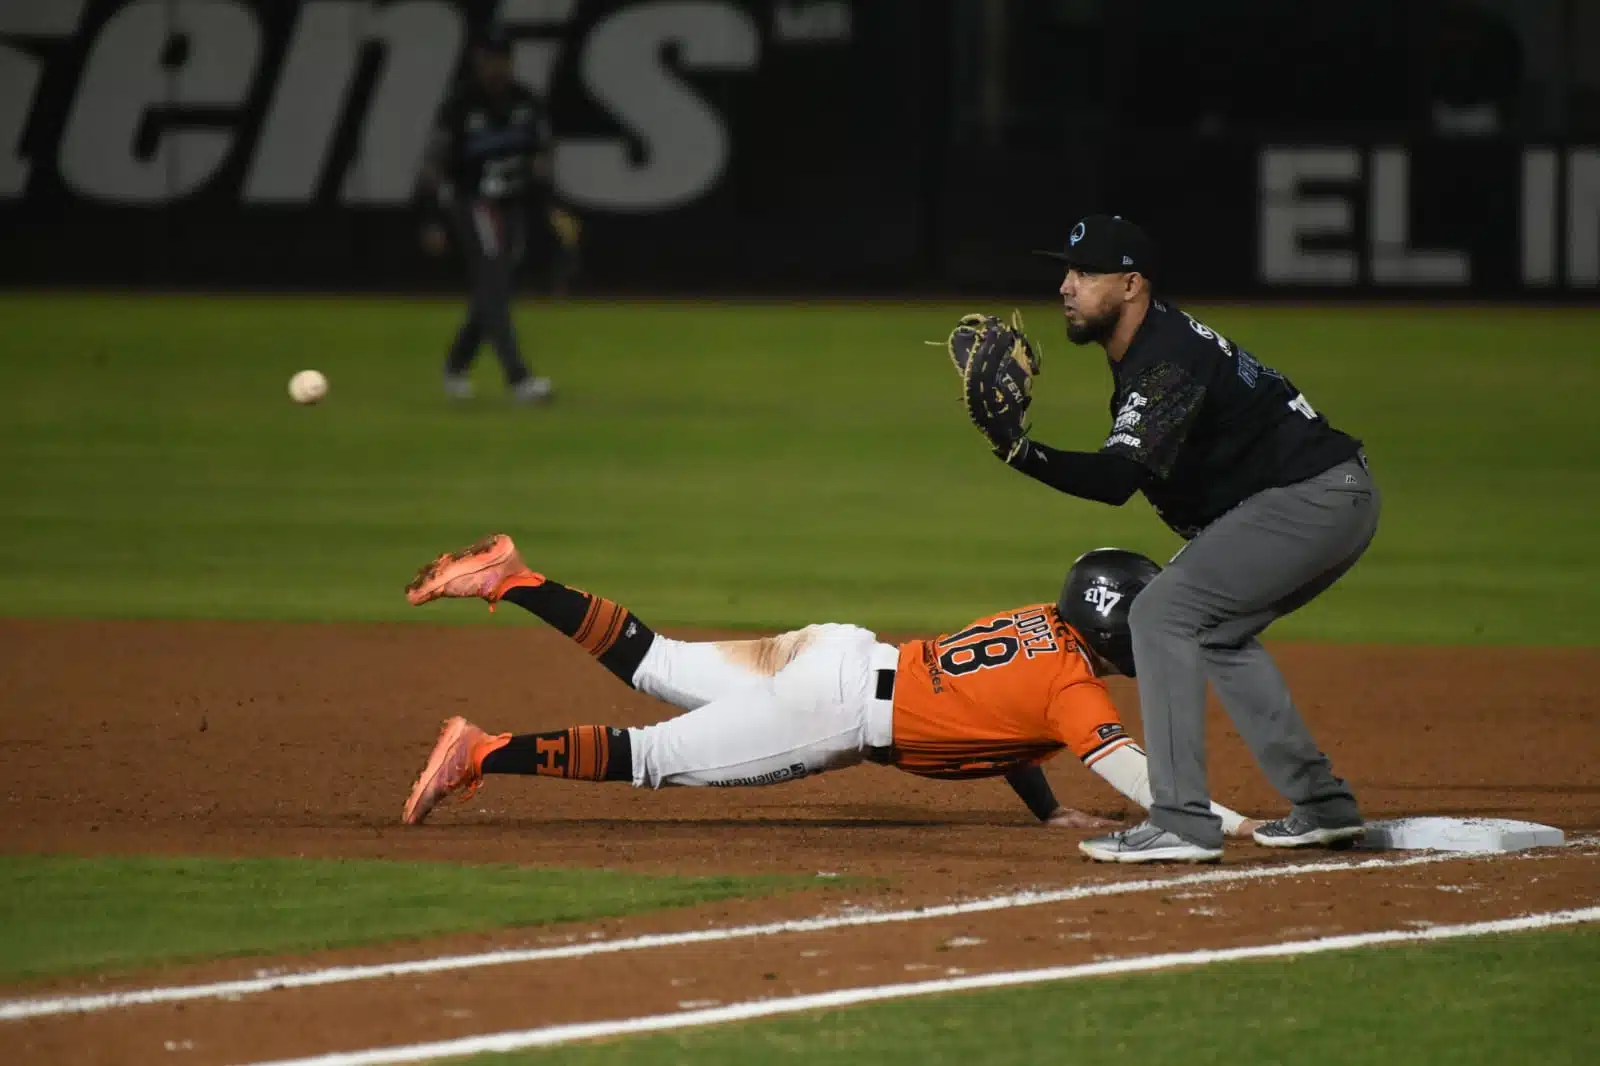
[(1199, 620)]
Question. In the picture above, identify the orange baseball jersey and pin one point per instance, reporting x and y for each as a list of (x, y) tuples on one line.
[(1009, 690)]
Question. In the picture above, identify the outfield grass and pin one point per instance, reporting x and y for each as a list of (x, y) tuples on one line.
[(65, 915), (737, 465), (1526, 998)]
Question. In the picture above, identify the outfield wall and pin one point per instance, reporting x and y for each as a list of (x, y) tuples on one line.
[(775, 146)]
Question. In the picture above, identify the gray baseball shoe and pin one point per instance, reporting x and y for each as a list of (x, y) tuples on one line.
[(1147, 843), (1301, 830)]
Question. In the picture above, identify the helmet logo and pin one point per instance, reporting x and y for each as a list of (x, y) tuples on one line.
[(1102, 599), (1077, 234)]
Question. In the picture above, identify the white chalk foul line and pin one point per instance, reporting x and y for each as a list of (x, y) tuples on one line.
[(16, 1009), (565, 1034)]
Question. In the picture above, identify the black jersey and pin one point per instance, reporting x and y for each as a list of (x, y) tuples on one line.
[(1212, 423), (483, 143)]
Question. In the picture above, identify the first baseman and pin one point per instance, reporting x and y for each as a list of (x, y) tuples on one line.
[(998, 697), (1275, 503)]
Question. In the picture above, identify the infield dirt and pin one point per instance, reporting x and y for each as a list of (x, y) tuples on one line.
[(252, 739)]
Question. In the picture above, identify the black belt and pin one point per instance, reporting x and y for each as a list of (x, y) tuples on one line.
[(885, 691)]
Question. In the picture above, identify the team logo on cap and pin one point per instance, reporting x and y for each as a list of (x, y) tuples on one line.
[(1077, 234)]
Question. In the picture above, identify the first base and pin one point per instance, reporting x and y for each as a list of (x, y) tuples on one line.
[(1459, 834)]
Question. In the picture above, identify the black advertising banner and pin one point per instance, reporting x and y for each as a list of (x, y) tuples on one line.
[(280, 143), (710, 146)]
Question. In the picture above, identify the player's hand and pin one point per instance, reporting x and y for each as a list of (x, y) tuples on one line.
[(434, 239), (1014, 452), (1067, 818), (1246, 829)]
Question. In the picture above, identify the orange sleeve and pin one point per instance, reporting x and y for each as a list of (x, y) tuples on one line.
[(1086, 721)]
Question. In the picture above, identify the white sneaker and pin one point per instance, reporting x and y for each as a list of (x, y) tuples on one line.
[(532, 390), (458, 386)]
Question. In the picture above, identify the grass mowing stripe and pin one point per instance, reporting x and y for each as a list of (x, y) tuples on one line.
[(64, 915), (751, 465), (994, 1026), (11, 1010)]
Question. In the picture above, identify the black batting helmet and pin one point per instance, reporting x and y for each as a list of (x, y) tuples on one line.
[(1095, 600)]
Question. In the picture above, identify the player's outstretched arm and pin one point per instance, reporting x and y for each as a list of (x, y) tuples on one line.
[(1098, 476), (1032, 787), (1128, 771)]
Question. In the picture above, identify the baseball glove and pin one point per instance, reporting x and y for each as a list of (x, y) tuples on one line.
[(997, 365)]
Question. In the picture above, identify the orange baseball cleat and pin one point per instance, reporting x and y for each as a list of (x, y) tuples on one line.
[(454, 766), (485, 570)]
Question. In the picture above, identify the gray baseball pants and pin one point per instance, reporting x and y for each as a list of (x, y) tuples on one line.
[(1198, 621)]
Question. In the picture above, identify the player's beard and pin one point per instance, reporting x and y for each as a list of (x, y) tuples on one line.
[(1096, 330)]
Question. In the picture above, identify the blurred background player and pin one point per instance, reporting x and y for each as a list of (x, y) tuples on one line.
[(999, 697), (488, 165)]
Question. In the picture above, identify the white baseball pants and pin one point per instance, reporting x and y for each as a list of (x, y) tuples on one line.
[(763, 711)]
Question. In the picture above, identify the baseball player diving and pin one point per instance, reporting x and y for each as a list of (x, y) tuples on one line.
[(998, 697), (1275, 503)]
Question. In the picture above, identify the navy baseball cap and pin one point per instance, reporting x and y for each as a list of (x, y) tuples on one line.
[(1108, 244)]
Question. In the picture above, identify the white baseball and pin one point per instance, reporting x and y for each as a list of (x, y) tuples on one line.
[(308, 386)]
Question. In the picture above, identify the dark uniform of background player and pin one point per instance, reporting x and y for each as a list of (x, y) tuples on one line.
[(1276, 505), (489, 162)]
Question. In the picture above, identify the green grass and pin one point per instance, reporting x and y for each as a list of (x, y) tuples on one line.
[(66, 915), (1512, 999), (737, 465)]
